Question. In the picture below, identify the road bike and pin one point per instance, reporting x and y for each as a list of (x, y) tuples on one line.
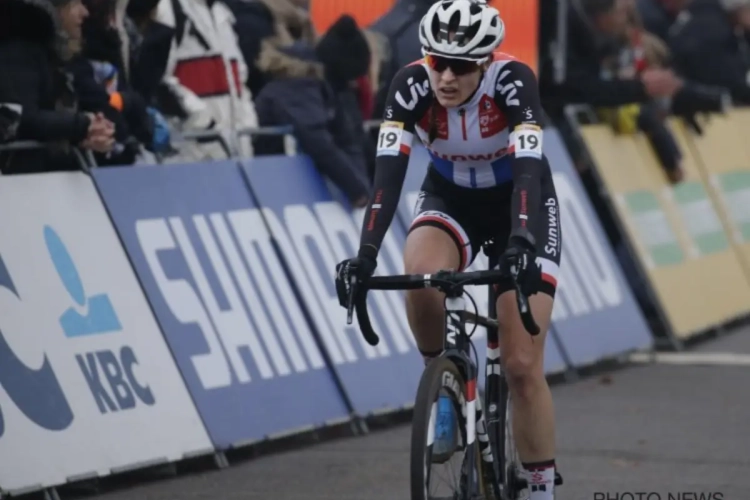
[(490, 466)]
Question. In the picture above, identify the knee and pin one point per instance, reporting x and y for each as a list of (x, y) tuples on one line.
[(425, 299), (524, 370)]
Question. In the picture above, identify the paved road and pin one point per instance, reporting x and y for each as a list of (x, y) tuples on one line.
[(656, 428)]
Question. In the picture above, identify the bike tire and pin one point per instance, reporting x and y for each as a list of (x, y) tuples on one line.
[(508, 459), (431, 382)]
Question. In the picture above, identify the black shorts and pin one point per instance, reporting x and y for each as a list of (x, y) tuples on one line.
[(481, 218)]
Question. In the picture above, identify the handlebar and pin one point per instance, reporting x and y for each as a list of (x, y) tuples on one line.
[(443, 279)]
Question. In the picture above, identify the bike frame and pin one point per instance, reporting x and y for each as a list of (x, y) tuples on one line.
[(457, 348)]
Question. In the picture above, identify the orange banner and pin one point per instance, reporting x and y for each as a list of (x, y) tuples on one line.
[(521, 21)]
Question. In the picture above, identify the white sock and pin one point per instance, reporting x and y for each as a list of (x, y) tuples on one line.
[(541, 479)]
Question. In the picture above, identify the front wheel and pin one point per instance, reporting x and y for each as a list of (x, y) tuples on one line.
[(509, 461), (453, 471)]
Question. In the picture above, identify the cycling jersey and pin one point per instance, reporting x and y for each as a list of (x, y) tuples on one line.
[(492, 142)]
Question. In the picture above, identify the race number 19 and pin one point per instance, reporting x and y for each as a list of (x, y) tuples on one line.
[(527, 141), (387, 139), (390, 138)]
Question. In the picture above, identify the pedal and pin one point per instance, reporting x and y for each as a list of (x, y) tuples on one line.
[(558, 479)]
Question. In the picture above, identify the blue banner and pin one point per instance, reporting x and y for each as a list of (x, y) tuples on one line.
[(220, 293), (595, 315), (314, 232)]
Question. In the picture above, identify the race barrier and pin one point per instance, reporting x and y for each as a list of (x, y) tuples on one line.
[(169, 311), (199, 245), (722, 157), (89, 386), (675, 230)]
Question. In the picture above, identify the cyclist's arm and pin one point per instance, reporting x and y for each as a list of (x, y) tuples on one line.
[(393, 149), (523, 111)]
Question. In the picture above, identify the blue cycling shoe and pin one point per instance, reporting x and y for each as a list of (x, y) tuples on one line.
[(445, 431)]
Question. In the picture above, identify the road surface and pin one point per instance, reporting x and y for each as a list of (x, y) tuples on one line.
[(658, 429)]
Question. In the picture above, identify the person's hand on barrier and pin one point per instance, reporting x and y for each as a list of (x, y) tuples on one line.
[(361, 268), (100, 137), (521, 263), (660, 82), (676, 175)]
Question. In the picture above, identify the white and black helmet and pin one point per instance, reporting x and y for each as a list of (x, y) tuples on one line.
[(477, 26)]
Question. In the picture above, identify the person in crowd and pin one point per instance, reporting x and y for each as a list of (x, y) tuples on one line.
[(205, 73), (101, 83), (639, 52), (607, 66), (711, 44), (658, 16), (150, 43), (37, 38), (264, 28), (367, 88), (597, 30), (399, 26), (324, 112)]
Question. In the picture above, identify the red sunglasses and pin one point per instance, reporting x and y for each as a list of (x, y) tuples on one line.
[(458, 67)]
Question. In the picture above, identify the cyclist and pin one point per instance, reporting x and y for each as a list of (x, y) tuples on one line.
[(478, 113)]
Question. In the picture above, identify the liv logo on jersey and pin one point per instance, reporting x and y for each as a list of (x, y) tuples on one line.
[(508, 89), (416, 90)]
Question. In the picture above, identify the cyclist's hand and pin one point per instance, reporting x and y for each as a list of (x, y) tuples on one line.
[(359, 267), (521, 263)]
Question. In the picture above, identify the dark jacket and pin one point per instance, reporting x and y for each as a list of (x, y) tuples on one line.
[(584, 77), (33, 77), (707, 50), (656, 19), (98, 75), (324, 125), (400, 26), (265, 26)]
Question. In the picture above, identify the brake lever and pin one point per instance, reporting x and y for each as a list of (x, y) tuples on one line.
[(350, 304)]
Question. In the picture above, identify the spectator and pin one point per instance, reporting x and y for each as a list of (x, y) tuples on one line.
[(206, 72), (399, 26), (367, 88), (36, 39), (711, 45), (659, 15), (150, 43), (639, 52), (324, 112), (605, 69), (597, 32), (264, 28), (101, 84)]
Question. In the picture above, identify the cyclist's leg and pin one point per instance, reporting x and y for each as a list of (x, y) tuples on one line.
[(523, 359), (436, 241)]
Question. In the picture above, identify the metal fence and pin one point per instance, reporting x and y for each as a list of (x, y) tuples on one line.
[(227, 139)]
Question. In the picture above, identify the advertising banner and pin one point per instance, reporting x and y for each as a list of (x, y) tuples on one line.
[(314, 232), (675, 230), (418, 161), (214, 279), (595, 314), (87, 384), (722, 157)]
